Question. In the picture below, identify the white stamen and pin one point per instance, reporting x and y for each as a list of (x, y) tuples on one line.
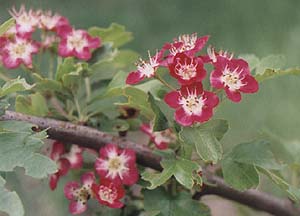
[(193, 103), (232, 79)]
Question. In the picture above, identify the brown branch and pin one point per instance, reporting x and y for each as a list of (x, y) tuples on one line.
[(92, 138)]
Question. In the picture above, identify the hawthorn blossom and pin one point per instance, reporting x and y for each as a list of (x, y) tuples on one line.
[(117, 165), (52, 22), (188, 44), (161, 139), (74, 156), (63, 164), (108, 193), (17, 51), (79, 194), (192, 104), (187, 70), (145, 69), (76, 43), (212, 55), (234, 77), (26, 21)]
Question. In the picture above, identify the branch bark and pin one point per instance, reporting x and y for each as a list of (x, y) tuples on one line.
[(95, 139)]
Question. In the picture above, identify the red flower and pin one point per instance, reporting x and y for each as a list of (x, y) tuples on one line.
[(117, 165), (145, 69), (52, 22), (187, 70), (187, 44), (79, 195), (212, 55), (161, 139), (63, 164), (76, 43), (192, 104), (233, 76), (108, 193), (18, 51), (75, 157), (26, 22)]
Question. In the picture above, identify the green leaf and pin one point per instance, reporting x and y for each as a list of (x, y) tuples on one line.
[(163, 204), (158, 179), (182, 170), (255, 153), (66, 67), (160, 121), (34, 104), (19, 145), (44, 84), (206, 139), (115, 33), (139, 100), (292, 192), (238, 175), (119, 60), (15, 85), (10, 202), (7, 25), (273, 62), (271, 73)]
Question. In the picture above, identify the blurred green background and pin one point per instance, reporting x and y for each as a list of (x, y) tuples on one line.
[(261, 27)]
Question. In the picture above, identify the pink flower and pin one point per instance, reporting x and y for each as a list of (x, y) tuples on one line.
[(161, 139), (18, 51), (63, 164), (117, 165), (187, 44), (233, 76), (108, 193), (192, 104), (212, 55), (187, 70), (26, 21), (52, 22), (75, 157), (79, 195), (76, 43), (145, 69)]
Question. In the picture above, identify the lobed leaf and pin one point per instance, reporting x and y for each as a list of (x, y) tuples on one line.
[(7, 25), (19, 145), (10, 202)]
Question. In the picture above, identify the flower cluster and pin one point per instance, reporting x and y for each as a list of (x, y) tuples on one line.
[(65, 160), (115, 168), (17, 45), (191, 102)]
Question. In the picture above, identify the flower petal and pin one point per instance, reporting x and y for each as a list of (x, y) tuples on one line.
[(182, 118), (134, 78), (234, 96), (69, 189), (251, 85), (172, 99), (76, 207)]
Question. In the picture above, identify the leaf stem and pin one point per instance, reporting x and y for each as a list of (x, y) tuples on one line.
[(87, 88), (164, 82)]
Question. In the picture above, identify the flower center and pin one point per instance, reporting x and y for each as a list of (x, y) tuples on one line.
[(114, 163), (232, 79), (148, 68), (76, 41), (83, 194), (107, 194), (192, 104), (186, 71)]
